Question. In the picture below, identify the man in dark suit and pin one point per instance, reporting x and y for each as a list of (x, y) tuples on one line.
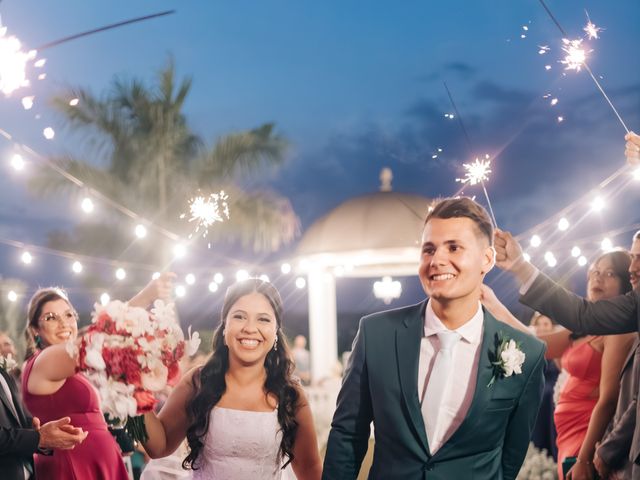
[(21, 436), (452, 392), (612, 455), (605, 317)]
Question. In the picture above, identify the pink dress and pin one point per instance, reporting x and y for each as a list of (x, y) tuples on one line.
[(99, 456), (577, 399)]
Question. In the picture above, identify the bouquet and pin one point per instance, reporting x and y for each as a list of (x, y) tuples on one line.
[(129, 355)]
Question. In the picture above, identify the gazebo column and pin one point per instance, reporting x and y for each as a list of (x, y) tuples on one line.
[(323, 323)]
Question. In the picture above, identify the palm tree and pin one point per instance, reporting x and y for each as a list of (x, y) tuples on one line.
[(145, 156)]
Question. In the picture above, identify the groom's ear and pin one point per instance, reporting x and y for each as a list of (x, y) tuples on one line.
[(489, 259)]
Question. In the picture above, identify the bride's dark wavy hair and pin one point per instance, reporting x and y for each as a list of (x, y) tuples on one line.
[(209, 383)]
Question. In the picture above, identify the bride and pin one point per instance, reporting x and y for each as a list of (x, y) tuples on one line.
[(243, 415)]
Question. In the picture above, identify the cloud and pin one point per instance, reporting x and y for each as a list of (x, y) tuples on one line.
[(459, 69)]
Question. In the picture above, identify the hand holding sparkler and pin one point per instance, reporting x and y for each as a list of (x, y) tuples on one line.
[(632, 148)]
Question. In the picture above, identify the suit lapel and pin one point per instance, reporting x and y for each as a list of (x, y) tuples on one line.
[(7, 401), (482, 394), (408, 337)]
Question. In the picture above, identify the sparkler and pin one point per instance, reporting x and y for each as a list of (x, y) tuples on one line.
[(575, 55), (478, 172), (13, 63), (208, 210), (590, 28)]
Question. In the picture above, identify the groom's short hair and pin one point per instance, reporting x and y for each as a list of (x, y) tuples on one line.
[(463, 207)]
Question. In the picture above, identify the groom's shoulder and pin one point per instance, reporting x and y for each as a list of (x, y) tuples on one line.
[(392, 316)]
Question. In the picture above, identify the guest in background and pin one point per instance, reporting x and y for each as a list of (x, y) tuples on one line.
[(612, 456), (301, 359), (544, 432), (588, 400)]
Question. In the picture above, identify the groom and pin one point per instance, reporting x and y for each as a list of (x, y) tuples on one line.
[(424, 375)]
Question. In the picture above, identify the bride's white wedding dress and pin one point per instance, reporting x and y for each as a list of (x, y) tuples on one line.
[(240, 445)]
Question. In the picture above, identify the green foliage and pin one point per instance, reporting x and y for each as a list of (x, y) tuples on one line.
[(141, 152)]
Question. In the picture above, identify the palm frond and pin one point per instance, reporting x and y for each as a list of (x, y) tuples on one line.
[(242, 152), (46, 182)]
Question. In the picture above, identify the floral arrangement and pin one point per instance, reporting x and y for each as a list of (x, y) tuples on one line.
[(538, 465), (507, 359), (130, 354)]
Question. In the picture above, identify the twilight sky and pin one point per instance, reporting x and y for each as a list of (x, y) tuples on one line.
[(354, 86)]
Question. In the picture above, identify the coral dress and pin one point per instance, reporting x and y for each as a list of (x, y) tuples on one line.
[(98, 457), (577, 399)]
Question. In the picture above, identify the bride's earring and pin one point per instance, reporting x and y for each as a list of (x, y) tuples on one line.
[(224, 340), (275, 345)]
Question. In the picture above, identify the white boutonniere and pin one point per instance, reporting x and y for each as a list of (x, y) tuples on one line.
[(507, 359), (7, 363)]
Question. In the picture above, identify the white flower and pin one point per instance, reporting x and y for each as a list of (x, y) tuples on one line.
[(164, 314), (93, 358), (7, 363), (193, 343), (512, 359), (155, 380), (116, 310)]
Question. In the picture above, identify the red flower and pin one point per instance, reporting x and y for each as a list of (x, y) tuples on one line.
[(122, 363), (145, 401)]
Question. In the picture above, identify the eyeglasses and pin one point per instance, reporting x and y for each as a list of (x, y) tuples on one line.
[(68, 316), (605, 274)]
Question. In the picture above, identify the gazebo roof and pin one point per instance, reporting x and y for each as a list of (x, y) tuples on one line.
[(380, 230)]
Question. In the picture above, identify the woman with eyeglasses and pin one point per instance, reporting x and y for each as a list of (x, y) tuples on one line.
[(52, 388), (588, 399)]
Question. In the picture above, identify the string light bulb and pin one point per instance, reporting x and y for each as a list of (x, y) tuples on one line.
[(17, 162), (563, 224), (536, 241), (26, 258), (141, 231), (87, 205), (285, 268), (241, 275)]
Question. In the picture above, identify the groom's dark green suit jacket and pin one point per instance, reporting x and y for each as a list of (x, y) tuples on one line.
[(381, 386)]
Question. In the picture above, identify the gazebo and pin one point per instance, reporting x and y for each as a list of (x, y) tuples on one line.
[(369, 236)]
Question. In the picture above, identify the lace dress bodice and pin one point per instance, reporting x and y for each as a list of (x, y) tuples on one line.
[(240, 445)]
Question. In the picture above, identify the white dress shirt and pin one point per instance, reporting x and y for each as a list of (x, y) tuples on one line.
[(458, 395)]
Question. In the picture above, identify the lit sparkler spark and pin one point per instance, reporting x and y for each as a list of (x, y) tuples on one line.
[(576, 55), (542, 49), (13, 62), (207, 210), (477, 172), (590, 28)]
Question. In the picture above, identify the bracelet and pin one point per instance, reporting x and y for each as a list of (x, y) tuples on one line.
[(586, 462)]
